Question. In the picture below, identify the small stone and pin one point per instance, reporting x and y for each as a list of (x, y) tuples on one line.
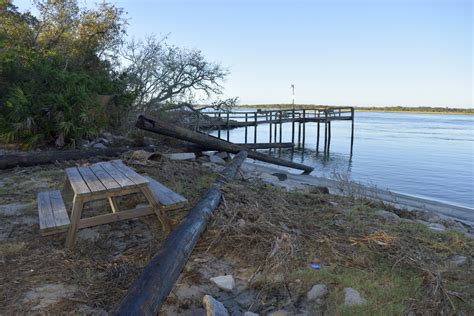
[(388, 216), (217, 160), (457, 260), (352, 297), (224, 282), (88, 235), (251, 314), (223, 155), (280, 312), (280, 176), (47, 295), (14, 209), (317, 291), (436, 227), (181, 156), (214, 307), (319, 190), (241, 222), (99, 146)]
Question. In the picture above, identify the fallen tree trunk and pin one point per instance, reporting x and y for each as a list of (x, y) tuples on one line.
[(154, 284), (197, 148), (209, 142), (46, 157)]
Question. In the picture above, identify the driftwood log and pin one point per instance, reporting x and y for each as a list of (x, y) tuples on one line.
[(154, 284), (189, 147), (46, 157), (209, 142)]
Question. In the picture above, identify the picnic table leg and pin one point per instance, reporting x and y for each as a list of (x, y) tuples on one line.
[(77, 205), (113, 204), (165, 221)]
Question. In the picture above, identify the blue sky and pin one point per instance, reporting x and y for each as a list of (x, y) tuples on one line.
[(362, 53)]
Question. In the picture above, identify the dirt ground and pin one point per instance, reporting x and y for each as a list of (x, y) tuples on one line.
[(277, 245)]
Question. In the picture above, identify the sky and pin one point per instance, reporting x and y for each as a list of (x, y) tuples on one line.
[(358, 53)]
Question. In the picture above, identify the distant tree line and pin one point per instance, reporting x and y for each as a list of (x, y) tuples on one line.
[(421, 109), (69, 72)]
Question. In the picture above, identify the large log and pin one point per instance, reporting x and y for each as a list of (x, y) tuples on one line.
[(210, 143), (46, 157), (189, 147), (154, 284)]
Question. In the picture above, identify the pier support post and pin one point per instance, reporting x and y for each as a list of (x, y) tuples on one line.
[(246, 121), (270, 126), (228, 129), (304, 127), (352, 130), (281, 117), (255, 128), (218, 125), (318, 128), (293, 127), (329, 136)]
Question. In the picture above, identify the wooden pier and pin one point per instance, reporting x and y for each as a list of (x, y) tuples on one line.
[(224, 121)]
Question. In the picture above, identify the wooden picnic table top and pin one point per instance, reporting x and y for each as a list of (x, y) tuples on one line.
[(102, 177)]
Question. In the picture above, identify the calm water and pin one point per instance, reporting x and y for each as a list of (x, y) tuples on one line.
[(426, 155)]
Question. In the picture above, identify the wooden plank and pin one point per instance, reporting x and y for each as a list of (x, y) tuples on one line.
[(113, 217), (104, 177), (92, 181), (163, 194), (59, 209), (45, 211), (129, 172), (116, 174), (77, 206), (77, 182)]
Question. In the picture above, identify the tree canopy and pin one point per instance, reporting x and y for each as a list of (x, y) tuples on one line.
[(56, 65)]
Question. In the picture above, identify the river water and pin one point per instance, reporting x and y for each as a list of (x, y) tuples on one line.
[(425, 155)]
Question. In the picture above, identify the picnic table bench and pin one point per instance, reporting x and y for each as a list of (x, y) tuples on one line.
[(103, 180)]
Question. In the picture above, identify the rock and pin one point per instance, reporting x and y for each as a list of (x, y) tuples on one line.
[(84, 143), (224, 282), (99, 146), (280, 176), (180, 156), (388, 216), (436, 227), (223, 155), (251, 314), (47, 295), (317, 291), (457, 260), (318, 190), (217, 160), (88, 234), (241, 222), (214, 307), (352, 297), (280, 312), (14, 209), (432, 226), (88, 310), (209, 153)]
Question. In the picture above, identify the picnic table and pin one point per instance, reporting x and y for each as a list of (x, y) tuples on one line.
[(103, 180)]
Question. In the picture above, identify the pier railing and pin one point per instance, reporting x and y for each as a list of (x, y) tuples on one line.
[(223, 121)]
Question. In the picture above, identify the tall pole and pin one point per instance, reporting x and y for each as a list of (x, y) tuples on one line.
[(293, 95)]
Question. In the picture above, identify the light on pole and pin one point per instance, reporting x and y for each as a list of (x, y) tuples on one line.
[(293, 95)]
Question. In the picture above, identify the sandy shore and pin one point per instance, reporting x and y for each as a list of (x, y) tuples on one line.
[(399, 200)]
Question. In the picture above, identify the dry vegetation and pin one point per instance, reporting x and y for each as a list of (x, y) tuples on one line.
[(271, 234)]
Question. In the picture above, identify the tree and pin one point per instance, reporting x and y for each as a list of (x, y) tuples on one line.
[(53, 67), (159, 72)]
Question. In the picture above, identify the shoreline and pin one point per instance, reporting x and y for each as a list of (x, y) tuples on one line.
[(400, 200), (381, 110)]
